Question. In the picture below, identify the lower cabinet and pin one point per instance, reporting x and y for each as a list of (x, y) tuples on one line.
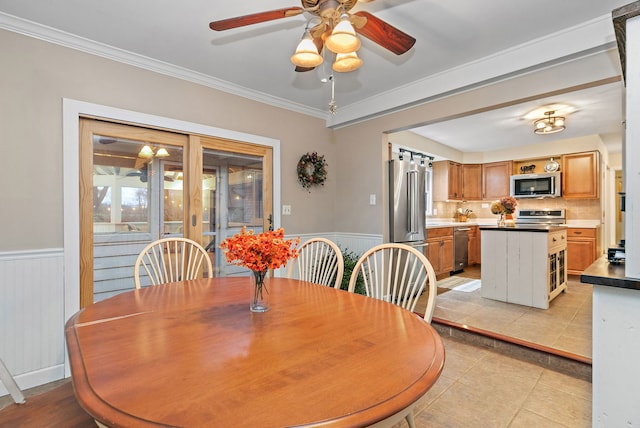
[(439, 249), (582, 248), (474, 246)]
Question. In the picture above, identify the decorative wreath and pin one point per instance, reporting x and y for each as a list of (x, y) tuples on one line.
[(312, 170)]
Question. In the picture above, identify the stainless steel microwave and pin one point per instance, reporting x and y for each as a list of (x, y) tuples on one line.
[(545, 185)]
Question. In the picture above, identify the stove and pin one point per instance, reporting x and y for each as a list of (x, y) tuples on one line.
[(542, 217)]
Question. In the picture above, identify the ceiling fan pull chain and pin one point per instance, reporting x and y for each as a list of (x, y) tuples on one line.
[(332, 105)]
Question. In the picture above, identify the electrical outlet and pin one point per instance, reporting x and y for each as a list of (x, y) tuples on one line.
[(286, 210), (485, 205), (372, 199), (435, 211)]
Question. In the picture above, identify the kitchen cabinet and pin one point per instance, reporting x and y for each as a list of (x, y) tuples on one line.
[(523, 266), (474, 245), (581, 175), (439, 249), (472, 182), (495, 179), (456, 181), (447, 180), (582, 249)]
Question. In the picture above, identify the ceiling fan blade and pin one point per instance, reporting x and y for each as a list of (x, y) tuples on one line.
[(241, 21), (386, 35)]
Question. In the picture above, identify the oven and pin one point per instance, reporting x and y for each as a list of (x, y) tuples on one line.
[(543, 217)]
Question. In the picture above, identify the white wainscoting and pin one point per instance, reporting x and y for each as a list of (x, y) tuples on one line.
[(356, 243), (32, 316)]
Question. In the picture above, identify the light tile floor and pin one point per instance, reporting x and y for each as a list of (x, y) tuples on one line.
[(480, 387), (565, 326)]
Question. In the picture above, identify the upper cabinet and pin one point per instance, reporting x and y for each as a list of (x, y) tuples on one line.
[(447, 180), (472, 181), (580, 175), (495, 179), (456, 181)]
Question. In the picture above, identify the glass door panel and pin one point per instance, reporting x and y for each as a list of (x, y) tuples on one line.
[(137, 198), (232, 198)]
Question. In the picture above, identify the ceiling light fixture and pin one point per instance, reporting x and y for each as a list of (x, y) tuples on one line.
[(423, 157), (146, 152), (306, 54), (549, 124), (162, 153), (346, 62), (343, 38)]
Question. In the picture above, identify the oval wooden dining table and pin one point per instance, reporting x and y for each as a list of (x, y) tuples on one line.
[(191, 354)]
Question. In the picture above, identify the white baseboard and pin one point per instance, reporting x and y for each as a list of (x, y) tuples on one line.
[(36, 378)]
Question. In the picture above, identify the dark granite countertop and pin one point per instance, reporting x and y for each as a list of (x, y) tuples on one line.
[(601, 272), (525, 228)]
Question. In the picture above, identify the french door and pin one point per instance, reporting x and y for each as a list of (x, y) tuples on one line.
[(138, 185)]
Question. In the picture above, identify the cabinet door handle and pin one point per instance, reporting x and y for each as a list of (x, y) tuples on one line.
[(578, 233), (554, 239)]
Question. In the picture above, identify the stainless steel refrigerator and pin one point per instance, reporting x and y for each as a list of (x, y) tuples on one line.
[(407, 202)]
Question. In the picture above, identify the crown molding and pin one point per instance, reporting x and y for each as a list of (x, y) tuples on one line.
[(62, 38)]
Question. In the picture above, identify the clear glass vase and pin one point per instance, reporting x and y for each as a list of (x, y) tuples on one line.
[(259, 293), (501, 220), (509, 220)]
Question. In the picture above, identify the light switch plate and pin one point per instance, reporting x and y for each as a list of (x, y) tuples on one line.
[(286, 210), (372, 199)]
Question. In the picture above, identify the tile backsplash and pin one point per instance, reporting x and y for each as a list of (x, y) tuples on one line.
[(577, 209)]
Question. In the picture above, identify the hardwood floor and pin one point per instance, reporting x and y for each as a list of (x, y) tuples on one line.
[(56, 407)]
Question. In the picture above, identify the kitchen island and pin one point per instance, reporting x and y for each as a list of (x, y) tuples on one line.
[(523, 264)]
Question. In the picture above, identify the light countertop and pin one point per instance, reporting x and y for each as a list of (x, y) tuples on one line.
[(493, 221)]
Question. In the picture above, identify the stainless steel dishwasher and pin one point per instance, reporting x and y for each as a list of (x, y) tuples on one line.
[(460, 248)]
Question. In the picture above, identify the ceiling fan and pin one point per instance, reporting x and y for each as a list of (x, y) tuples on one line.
[(332, 26)]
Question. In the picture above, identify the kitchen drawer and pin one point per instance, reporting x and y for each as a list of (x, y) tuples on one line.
[(438, 232), (582, 232), (557, 240)]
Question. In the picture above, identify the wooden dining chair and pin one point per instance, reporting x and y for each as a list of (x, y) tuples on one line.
[(171, 260), (399, 274), (319, 261)]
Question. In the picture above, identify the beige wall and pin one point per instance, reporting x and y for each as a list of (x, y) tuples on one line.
[(36, 76)]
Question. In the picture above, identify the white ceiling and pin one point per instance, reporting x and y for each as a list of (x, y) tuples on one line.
[(453, 38)]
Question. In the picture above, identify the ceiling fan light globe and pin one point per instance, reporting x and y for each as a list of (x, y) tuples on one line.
[(306, 54), (343, 38), (342, 43), (559, 121), (162, 153), (346, 62), (146, 152)]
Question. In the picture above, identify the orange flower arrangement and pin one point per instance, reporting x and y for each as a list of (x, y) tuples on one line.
[(260, 252)]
